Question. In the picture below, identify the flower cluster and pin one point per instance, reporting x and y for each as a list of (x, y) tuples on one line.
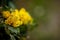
[(17, 17)]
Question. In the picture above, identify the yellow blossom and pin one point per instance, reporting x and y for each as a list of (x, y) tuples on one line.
[(17, 23), (24, 16), (6, 14), (14, 13), (19, 17), (8, 21)]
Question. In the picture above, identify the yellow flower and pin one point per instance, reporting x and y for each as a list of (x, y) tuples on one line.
[(18, 18), (22, 10), (6, 14), (8, 21), (25, 16), (17, 23), (15, 12)]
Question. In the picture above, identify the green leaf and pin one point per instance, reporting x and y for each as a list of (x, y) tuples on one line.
[(12, 5), (23, 30), (14, 30), (12, 37)]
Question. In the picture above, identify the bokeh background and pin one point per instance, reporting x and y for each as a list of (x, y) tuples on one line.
[(47, 16)]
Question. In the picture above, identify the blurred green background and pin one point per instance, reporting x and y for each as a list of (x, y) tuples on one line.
[(47, 16)]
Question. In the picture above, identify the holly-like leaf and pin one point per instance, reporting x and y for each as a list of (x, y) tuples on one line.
[(14, 30)]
